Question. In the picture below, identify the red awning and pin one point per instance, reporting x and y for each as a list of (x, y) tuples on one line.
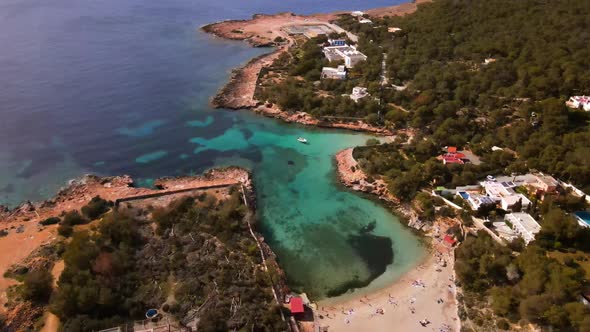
[(296, 305), (448, 239), (452, 149)]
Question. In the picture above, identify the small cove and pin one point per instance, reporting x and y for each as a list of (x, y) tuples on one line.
[(123, 88)]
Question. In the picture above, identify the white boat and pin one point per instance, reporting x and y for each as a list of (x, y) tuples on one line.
[(301, 140)]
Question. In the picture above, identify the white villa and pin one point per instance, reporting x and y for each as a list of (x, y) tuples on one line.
[(579, 101), (503, 194), (349, 54), (358, 93), (338, 73), (524, 225)]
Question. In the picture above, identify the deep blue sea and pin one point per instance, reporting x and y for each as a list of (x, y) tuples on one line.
[(122, 87)]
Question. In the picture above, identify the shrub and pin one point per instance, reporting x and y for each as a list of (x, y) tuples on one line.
[(65, 230), (37, 286), (503, 325), (96, 207), (212, 321), (372, 142), (73, 218), (50, 221)]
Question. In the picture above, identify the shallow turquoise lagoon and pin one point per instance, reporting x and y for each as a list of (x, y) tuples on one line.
[(328, 240)]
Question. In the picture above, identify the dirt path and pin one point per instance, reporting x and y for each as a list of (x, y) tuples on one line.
[(15, 247), (52, 321)]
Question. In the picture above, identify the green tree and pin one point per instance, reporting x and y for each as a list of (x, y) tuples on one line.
[(37, 286)]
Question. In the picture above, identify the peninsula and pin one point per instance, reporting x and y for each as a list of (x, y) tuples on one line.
[(103, 253), (276, 31)]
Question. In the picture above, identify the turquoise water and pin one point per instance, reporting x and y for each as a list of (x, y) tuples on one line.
[(310, 221), (584, 216), (122, 87)]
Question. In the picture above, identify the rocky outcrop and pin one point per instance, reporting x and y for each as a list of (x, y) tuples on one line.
[(80, 191)]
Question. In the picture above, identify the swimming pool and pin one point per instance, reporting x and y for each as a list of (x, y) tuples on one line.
[(583, 218)]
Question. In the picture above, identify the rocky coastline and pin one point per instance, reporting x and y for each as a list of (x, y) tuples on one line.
[(352, 176)]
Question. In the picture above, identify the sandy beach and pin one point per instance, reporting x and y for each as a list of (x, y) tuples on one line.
[(427, 293), (423, 299)]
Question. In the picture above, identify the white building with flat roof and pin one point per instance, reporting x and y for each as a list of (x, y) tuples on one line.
[(503, 193), (358, 93), (338, 73), (524, 225), (579, 101), (349, 54)]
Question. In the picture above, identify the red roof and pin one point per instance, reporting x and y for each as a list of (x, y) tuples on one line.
[(452, 160), (296, 305), (452, 149), (450, 240), (456, 155)]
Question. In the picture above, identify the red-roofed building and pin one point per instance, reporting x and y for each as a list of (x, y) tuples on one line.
[(296, 305), (452, 156)]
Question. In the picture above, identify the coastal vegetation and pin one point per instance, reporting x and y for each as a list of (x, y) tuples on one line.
[(298, 74), (473, 75), (526, 283), (408, 167), (488, 74), (194, 259)]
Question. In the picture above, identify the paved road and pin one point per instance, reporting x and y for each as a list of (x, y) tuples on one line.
[(338, 29), (384, 80)]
